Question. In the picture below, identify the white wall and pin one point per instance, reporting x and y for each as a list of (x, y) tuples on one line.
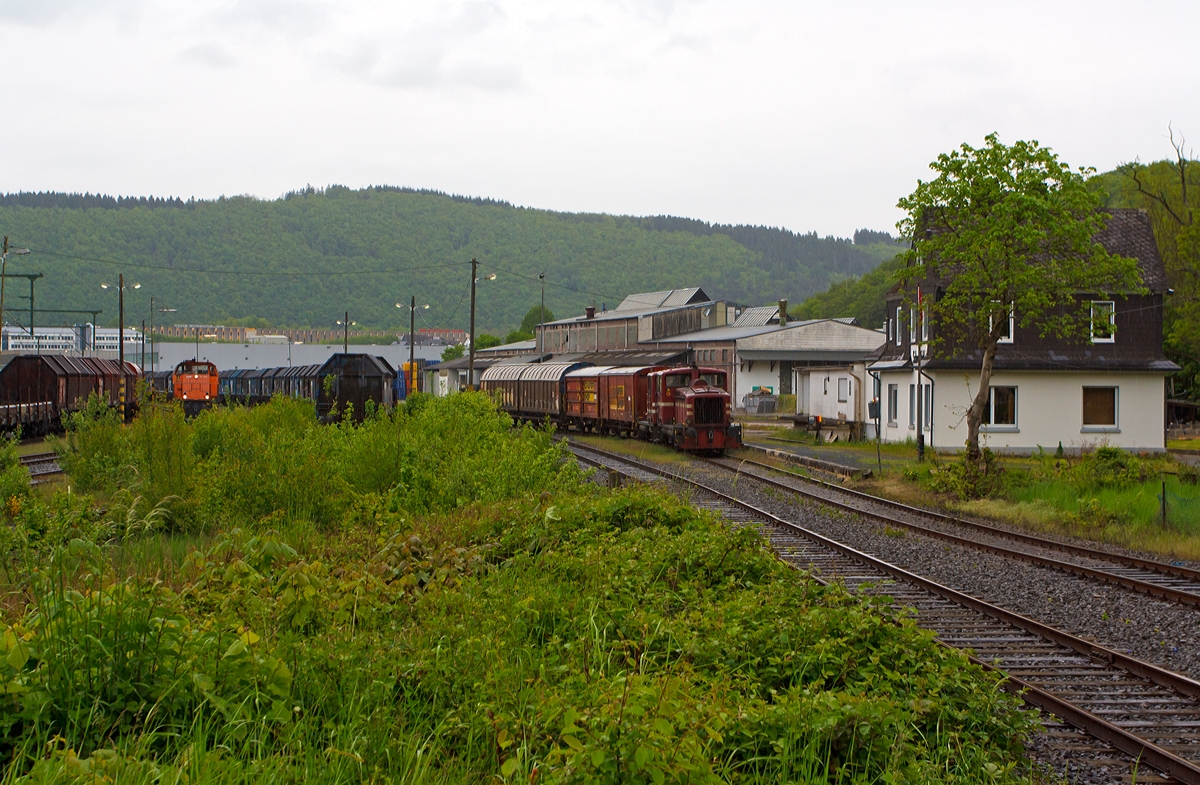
[(819, 397), (760, 375), (1049, 410)]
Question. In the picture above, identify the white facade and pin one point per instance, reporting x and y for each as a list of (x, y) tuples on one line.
[(65, 339), (750, 375), (1030, 409)]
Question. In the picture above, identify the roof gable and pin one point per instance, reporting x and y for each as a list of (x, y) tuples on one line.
[(665, 299)]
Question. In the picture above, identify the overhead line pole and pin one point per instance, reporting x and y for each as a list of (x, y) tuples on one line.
[(412, 346), (471, 337)]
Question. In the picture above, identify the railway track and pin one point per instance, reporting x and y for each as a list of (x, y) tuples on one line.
[(1172, 582), (1127, 706), (42, 466)]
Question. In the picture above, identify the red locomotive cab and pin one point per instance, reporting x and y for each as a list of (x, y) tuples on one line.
[(694, 410)]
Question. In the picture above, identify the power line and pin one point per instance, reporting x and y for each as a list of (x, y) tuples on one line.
[(556, 285)]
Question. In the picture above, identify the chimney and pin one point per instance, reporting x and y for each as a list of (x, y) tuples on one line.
[(589, 312), (782, 312)]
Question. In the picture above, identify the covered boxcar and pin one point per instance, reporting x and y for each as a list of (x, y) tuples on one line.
[(36, 390), (357, 378)]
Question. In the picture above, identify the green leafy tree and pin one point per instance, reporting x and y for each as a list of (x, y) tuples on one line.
[(487, 341), (1169, 191), (518, 335), (1004, 228), (535, 317), (452, 352)]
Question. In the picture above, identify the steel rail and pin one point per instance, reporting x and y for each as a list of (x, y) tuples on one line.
[(1136, 584), (1135, 746), (983, 528)]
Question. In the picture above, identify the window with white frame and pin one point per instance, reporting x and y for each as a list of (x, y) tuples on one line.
[(1104, 321), (893, 412), (899, 316), (927, 405), (925, 324), (843, 389), (1001, 409), (1006, 330), (912, 325), (912, 406)]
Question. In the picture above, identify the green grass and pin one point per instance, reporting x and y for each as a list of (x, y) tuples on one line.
[(517, 628)]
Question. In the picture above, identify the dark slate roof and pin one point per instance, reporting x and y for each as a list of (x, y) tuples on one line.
[(1129, 233)]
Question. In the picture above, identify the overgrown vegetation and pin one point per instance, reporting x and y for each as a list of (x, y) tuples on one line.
[(435, 597)]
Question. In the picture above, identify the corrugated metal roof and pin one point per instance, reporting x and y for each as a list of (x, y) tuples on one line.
[(594, 370), (547, 371), (503, 373), (758, 316), (681, 297), (670, 298), (644, 300)]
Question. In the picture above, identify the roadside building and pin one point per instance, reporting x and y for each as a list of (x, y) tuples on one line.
[(1045, 391)]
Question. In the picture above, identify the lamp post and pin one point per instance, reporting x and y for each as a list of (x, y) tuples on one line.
[(471, 338), (542, 315), (345, 324), (206, 335), (121, 333), (4, 269), (153, 356), (412, 337)]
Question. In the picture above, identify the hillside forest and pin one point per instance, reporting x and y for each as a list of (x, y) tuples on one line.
[(306, 258)]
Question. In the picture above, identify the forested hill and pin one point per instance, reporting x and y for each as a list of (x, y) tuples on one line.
[(304, 259)]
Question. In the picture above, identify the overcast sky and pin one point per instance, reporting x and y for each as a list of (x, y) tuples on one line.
[(812, 116)]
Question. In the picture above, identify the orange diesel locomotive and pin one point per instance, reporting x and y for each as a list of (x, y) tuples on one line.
[(195, 383)]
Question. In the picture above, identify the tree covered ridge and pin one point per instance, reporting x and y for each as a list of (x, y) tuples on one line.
[(307, 257)]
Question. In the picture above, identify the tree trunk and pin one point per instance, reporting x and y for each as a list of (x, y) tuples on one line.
[(975, 411)]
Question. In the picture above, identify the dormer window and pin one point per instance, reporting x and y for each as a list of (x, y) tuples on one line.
[(1104, 321)]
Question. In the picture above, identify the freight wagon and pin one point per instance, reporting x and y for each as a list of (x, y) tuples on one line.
[(688, 407), (36, 390)]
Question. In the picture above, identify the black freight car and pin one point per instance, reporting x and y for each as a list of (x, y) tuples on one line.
[(356, 379)]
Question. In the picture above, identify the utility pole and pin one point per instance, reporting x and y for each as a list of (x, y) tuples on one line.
[(32, 336), (412, 346), (197, 343), (121, 337), (143, 345), (346, 335), (542, 315), (471, 336)]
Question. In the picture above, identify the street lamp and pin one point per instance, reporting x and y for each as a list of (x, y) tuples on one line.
[(412, 329), (121, 331), (346, 336), (542, 316), (206, 335), (153, 356), (471, 359), (3, 269)]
